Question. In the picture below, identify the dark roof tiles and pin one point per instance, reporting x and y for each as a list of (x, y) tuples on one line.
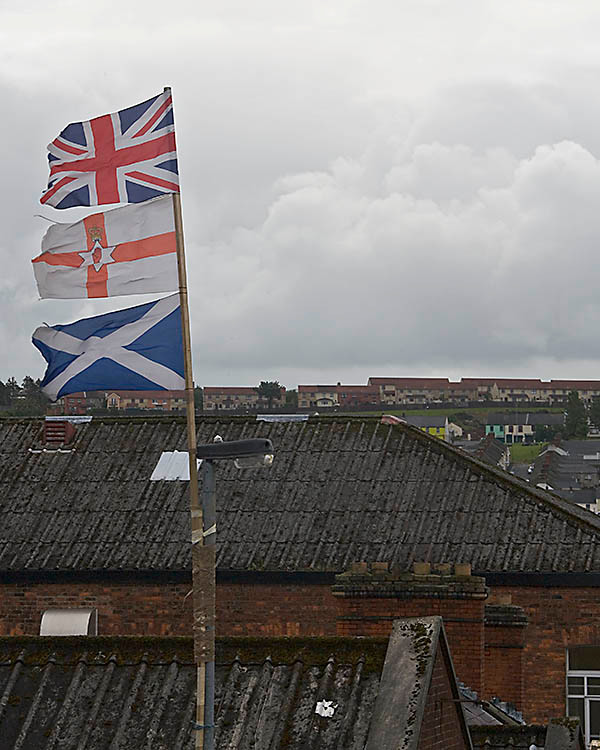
[(101, 693), (341, 489)]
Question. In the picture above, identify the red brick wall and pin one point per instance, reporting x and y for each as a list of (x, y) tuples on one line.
[(276, 609), (463, 621), (123, 608), (503, 662), (163, 609), (559, 617), (441, 728)]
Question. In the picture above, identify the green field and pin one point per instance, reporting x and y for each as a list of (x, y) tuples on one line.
[(441, 412), (525, 454)]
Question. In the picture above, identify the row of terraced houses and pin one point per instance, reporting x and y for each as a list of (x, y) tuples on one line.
[(379, 391), (407, 391)]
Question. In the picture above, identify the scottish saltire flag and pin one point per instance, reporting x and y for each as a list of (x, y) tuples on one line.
[(129, 250), (137, 349), (125, 157)]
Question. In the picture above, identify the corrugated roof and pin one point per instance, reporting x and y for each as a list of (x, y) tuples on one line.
[(340, 490), (106, 693), (101, 693)]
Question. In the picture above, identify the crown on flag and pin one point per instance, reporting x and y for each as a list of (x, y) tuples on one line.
[(95, 233)]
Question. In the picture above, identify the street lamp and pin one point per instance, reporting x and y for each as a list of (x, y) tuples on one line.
[(246, 454)]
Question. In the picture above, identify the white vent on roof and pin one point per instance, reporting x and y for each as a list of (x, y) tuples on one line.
[(82, 621), (591, 457), (173, 465)]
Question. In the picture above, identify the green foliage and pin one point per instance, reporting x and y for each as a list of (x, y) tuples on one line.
[(546, 433), (198, 397), (4, 395), (291, 399), (594, 413), (269, 389), (13, 390), (26, 399), (576, 420)]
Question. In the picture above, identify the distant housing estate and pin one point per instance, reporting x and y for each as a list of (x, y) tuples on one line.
[(425, 391), (82, 403), (238, 397), (520, 428), (378, 392)]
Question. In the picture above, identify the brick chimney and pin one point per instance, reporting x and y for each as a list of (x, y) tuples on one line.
[(505, 625), (371, 596)]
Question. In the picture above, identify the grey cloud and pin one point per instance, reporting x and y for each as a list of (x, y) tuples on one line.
[(364, 192)]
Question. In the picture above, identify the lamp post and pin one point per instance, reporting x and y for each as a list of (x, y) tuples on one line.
[(247, 454)]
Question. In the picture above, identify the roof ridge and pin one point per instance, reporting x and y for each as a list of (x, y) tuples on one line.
[(546, 496)]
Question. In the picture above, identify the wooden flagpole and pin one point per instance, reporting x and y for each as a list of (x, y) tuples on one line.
[(203, 557)]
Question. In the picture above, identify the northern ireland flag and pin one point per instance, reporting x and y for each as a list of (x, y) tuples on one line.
[(128, 156), (137, 349), (129, 250)]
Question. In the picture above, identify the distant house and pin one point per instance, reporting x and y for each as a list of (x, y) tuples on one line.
[(519, 427), (146, 400), (235, 398), (314, 396), (568, 467), (407, 391), (81, 403), (434, 425), (488, 449)]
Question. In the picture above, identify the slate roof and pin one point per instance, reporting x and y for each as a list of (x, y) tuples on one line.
[(570, 471), (341, 489), (562, 734), (532, 418), (488, 449), (425, 421)]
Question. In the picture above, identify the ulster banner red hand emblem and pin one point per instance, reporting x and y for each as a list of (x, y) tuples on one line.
[(128, 250)]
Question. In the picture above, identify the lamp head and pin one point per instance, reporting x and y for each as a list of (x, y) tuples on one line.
[(254, 448)]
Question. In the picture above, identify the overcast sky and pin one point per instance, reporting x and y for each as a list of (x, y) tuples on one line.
[(369, 188)]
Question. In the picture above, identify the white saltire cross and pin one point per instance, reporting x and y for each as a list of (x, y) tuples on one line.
[(112, 347)]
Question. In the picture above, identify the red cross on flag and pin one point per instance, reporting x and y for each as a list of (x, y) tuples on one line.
[(128, 156), (129, 250)]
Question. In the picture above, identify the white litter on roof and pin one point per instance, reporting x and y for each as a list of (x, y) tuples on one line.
[(325, 708), (173, 465)]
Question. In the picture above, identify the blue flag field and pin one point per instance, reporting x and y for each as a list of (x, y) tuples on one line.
[(139, 348)]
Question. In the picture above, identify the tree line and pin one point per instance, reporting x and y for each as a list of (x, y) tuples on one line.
[(22, 399)]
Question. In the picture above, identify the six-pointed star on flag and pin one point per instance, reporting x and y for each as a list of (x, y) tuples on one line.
[(98, 256)]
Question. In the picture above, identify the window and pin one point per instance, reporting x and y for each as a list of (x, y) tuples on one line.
[(583, 689)]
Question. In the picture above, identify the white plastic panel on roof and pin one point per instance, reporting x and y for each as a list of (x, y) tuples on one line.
[(74, 419), (81, 621), (282, 417), (173, 465)]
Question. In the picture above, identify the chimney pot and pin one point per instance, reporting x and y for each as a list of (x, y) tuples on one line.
[(421, 568)]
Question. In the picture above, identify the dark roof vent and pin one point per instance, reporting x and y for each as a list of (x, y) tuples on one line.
[(58, 432)]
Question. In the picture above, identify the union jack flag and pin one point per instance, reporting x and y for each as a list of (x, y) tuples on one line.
[(128, 156)]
